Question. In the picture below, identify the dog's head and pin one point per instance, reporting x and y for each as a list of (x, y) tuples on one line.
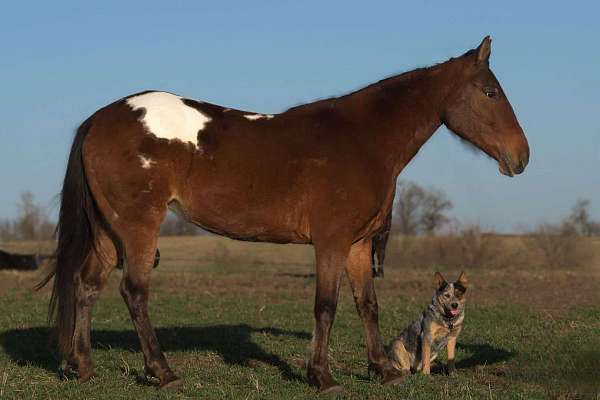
[(450, 297)]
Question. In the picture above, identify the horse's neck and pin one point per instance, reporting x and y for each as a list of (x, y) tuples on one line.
[(398, 115)]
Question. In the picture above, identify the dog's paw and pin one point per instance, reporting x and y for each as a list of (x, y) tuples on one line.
[(451, 368)]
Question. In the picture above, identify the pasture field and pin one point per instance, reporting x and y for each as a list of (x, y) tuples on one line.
[(235, 321)]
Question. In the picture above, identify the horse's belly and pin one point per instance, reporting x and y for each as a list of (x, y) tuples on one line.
[(256, 231), (242, 218)]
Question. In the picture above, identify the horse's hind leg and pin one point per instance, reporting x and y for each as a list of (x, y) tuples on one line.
[(140, 250), (87, 286), (330, 265), (358, 269)]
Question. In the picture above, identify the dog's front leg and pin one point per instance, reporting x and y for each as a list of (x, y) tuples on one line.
[(451, 347), (426, 356)]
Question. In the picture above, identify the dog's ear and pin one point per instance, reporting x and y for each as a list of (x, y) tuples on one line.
[(462, 279), (462, 283), (439, 281)]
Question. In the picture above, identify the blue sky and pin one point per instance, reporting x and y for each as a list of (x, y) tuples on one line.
[(61, 61)]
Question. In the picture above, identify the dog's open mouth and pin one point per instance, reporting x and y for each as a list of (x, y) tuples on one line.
[(454, 313)]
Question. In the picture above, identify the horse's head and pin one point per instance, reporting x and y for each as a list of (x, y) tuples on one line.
[(478, 111)]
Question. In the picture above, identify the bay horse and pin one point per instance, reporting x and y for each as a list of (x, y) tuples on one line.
[(322, 173)]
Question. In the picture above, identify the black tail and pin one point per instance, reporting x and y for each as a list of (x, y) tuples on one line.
[(79, 220)]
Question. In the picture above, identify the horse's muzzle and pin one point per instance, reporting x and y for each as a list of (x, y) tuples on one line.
[(511, 166)]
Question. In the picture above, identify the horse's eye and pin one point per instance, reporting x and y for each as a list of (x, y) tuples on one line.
[(490, 92)]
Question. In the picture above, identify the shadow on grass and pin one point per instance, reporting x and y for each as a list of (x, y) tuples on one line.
[(233, 343), (482, 354)]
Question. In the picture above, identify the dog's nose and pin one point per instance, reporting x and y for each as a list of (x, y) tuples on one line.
[(454, 305)]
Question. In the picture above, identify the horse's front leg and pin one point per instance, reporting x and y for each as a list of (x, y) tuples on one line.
[(330, 264), (358, 269)]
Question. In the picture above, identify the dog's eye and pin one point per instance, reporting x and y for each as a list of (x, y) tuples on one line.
[(447, 295)]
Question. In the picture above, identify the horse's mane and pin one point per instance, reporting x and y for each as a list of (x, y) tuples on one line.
[(407, 79)]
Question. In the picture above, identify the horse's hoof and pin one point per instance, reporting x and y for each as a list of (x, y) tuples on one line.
[(321, 378), (172, 385), (148, 372), (86, 376), (332, 390)]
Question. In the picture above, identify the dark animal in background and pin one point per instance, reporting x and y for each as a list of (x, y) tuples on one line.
[(379, 245), (22, 262), (322, 173), (437, 328)]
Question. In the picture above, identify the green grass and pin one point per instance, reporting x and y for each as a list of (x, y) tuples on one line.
[(235, 347), (240, 328)]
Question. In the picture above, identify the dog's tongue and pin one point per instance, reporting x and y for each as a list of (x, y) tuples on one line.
[(454, 312)]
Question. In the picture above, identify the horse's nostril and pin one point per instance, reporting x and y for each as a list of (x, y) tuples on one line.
[(523, 161), (523, 156), (519, 168)]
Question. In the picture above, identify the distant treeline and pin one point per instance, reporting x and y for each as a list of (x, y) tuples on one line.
[(31, 223), (417, 211)]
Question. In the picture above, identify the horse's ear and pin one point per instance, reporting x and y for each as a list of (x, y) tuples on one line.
[(484, 50), (439, 281)]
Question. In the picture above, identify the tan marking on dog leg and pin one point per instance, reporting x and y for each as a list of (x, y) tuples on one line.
[(400, 357), (426, 357), (451, 348)]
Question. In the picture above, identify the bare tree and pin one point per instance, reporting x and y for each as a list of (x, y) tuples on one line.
[(433, 217), (419, 210), (581, 220), (32, 221), (28, 217), (409, 198)]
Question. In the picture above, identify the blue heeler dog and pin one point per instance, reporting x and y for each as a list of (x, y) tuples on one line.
[(439, 326)]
